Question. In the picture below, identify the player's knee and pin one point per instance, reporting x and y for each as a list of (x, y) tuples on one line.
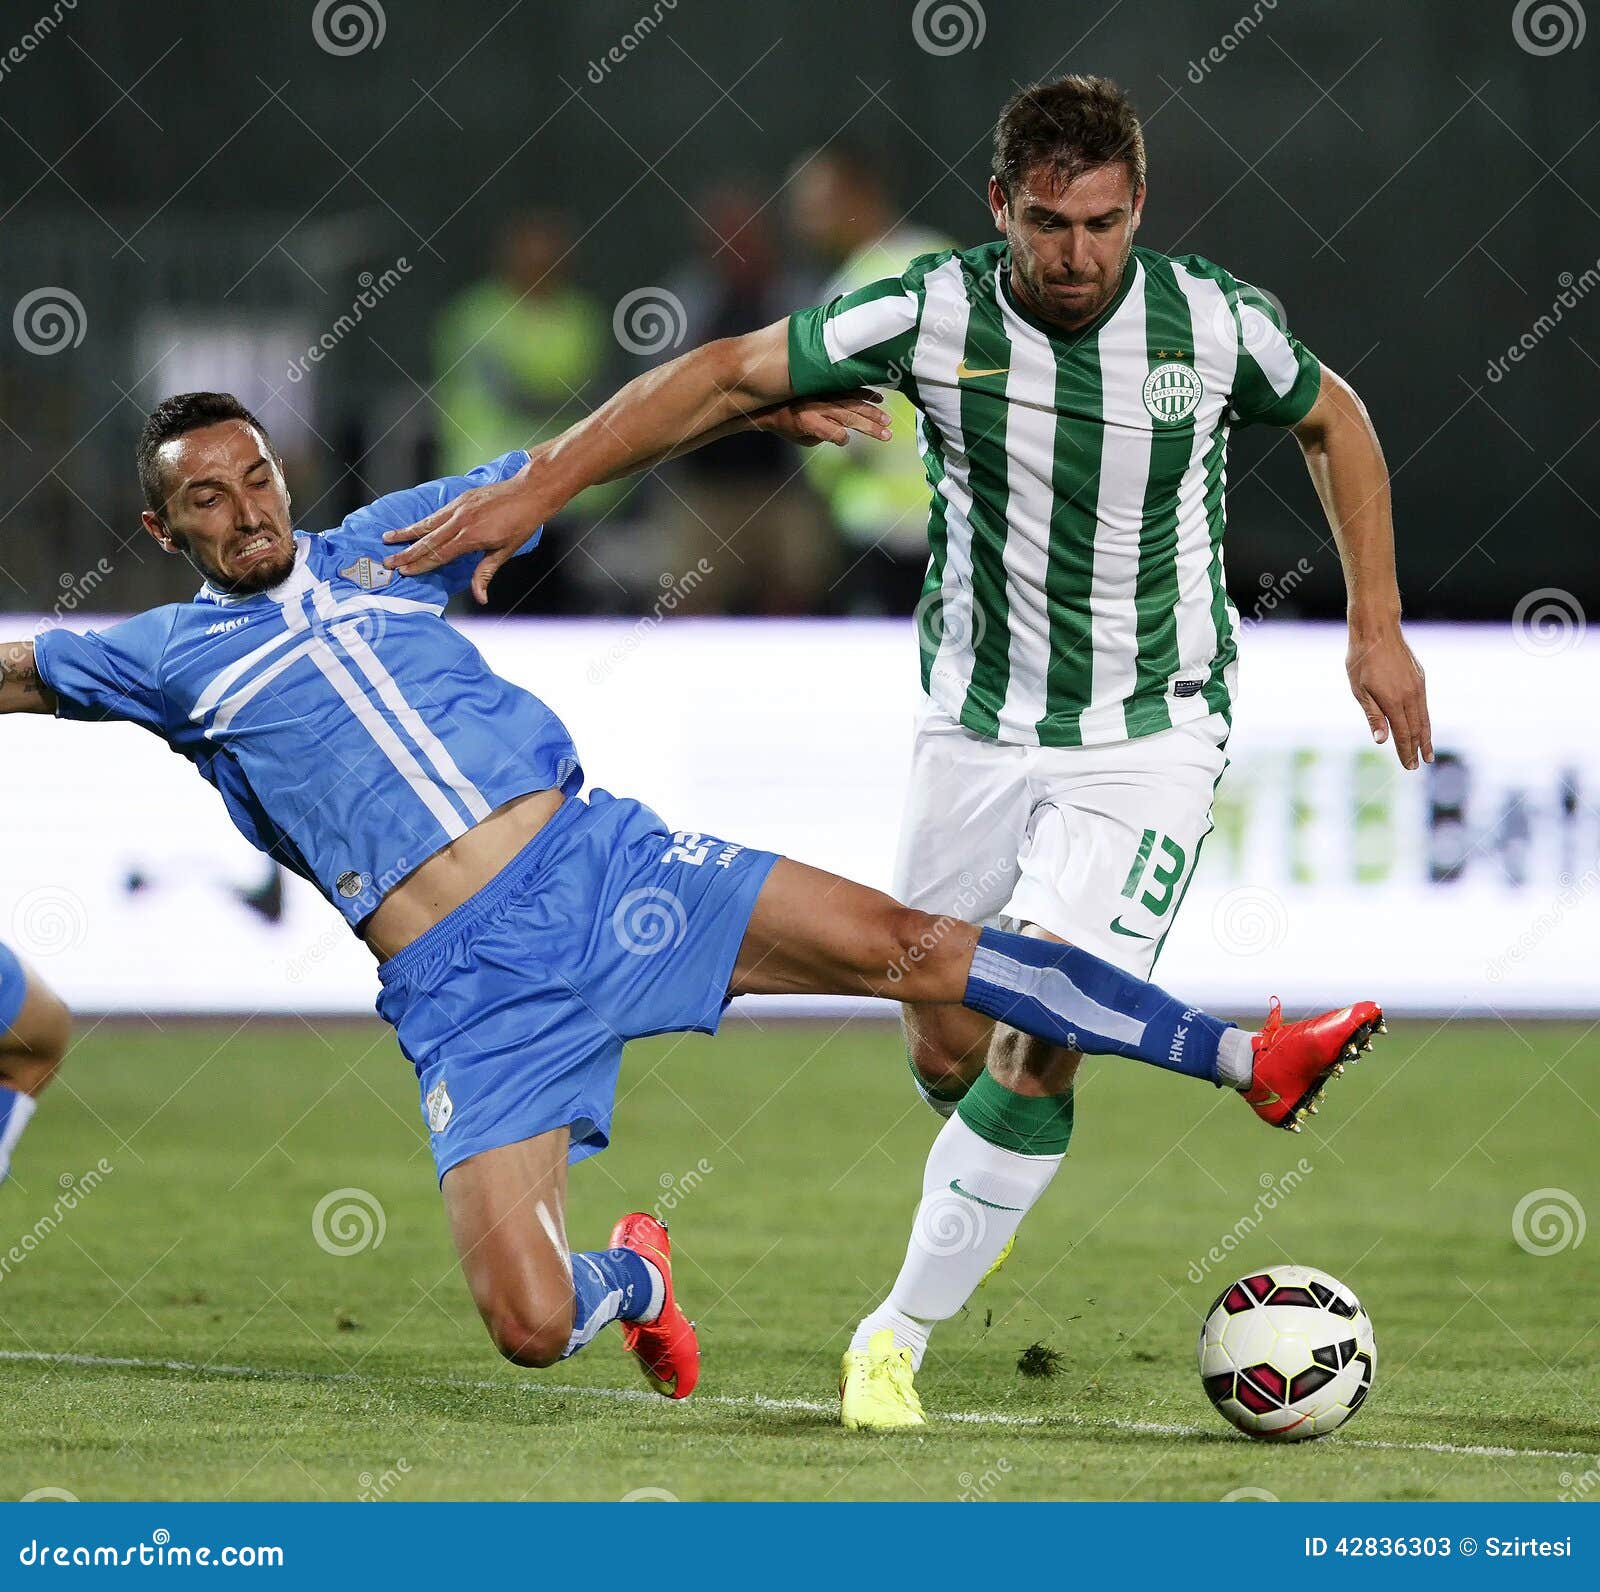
[(527, 1331), (55, 1033), (922, 948)]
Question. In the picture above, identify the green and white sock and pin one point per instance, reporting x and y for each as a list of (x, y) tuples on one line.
[(990, 1163)]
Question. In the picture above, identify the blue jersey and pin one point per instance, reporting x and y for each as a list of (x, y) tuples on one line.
[(351, 730)]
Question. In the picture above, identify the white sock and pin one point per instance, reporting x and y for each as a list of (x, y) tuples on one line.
[(658, 1295), (958, 1232), (12, 1122), (1236, 1058)]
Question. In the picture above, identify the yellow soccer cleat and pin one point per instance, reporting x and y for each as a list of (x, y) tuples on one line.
[(999, 1260), (876, 1392)]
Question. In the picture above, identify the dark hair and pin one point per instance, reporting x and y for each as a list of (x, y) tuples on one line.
[(1071, 125), (173, 417)]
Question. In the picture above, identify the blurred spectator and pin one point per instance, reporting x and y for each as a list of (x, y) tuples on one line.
[(878, 495), (742, 505), (516, 354)]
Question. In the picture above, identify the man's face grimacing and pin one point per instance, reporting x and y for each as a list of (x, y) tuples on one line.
[(227, 508), (1070, 241)]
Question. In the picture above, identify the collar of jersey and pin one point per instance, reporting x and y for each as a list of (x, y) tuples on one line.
[(291, 585), (1058, 334)]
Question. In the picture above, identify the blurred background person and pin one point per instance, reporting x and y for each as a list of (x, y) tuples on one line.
[(841, 210), (515, 357), (744, 532)]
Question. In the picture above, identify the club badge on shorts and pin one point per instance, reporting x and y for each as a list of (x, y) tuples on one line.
[(440, 1108)]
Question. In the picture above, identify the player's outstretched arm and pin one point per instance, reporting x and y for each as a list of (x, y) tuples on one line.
[(728, 385), (21, 689), (1346, 463)]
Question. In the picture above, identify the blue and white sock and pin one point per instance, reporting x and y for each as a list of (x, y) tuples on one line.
[(1074, 999), (15, 1109), (610, 1285)]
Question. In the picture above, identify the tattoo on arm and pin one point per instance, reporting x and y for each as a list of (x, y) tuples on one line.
[(21, 689)]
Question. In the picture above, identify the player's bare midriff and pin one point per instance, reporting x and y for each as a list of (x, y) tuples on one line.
[(457, 873)]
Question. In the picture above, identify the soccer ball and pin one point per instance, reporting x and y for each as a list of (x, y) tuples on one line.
[(1287, 1353)]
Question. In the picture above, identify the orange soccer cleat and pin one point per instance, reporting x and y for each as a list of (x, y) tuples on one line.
[(1293, 1061), (667, 1348)]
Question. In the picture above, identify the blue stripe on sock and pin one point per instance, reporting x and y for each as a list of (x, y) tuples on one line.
[(1074, 999), (607, 1284)]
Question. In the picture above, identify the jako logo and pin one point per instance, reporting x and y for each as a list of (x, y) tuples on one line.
[(225, 625)]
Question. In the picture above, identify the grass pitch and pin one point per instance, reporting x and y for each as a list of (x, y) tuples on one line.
[(219, 1351)]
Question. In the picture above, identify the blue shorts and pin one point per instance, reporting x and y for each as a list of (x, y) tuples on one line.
[(13, 988), (605, 927)]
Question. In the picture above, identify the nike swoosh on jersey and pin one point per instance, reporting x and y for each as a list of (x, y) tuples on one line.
[(1133, 934), (967, 1194), (965, 371)]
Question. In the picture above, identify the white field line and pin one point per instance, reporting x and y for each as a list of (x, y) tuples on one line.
[(753, 1402)]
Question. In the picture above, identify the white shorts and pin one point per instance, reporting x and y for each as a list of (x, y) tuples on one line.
[(1095, 844)]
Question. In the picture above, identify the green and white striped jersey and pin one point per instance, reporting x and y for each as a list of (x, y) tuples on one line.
[(1075, 591)]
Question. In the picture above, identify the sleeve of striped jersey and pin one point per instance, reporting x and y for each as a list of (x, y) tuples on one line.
[(861, 338), (109, 674), (1278, 377), (362, 532)]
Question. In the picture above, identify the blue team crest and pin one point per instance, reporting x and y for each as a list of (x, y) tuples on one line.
[(368, 573)]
